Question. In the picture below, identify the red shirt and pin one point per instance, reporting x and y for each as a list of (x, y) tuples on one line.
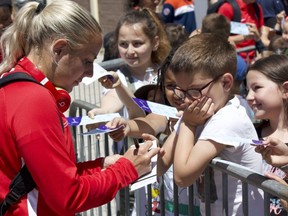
[(248, 15), (31, 132)]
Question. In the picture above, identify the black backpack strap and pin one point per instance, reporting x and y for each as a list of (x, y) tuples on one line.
[(257, 10), (236, 10), (22, 184), (16, 77)]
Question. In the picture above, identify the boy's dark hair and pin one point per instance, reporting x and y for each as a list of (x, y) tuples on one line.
[(206, 53), (176, 34), (217, 24), (277, 44), (110, 46)]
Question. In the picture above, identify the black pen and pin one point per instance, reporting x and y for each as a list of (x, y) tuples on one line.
[(136, 143)]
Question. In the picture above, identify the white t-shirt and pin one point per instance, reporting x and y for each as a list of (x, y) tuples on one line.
[(231, 126)]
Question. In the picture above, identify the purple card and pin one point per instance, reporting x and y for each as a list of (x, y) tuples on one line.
[(257, 142), (84, 120), (143, 104), (159, 109), (101, 129), (74, 121)]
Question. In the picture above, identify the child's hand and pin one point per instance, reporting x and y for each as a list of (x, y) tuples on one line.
[(96, 111), (198, 112), (91, 115), (274, 151), (280, 16), (111, 81), (253, 32), (122, 132)]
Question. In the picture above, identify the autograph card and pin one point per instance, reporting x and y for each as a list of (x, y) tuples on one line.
[(147, 179), (98, 72), (100, 130), (239, 28), (85, 120), (157, 108), (257, 142)]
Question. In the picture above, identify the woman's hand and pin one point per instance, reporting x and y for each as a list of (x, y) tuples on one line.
[(141, 157), (109, 160)]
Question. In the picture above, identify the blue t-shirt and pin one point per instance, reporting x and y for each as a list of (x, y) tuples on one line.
[(180, 12), (271, 7)]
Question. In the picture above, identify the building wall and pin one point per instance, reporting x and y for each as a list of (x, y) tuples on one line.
[(109, 13), (84, 3)]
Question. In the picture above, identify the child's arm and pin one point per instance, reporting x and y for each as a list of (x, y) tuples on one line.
[(190, 158), (116, 98), (280, 16), (126, 96), (151, 124), (110, 103), (165, 160)]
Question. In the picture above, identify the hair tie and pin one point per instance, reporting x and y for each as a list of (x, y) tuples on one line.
[(39, 8)]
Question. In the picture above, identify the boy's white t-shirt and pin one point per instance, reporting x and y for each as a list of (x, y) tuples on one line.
[(231, 126)]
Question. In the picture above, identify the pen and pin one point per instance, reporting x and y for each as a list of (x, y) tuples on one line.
[(136, 143)]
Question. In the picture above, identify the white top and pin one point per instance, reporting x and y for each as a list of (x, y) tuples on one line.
[(230, 126)]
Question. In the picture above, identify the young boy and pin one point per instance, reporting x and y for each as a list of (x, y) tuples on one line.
[(214, 124)]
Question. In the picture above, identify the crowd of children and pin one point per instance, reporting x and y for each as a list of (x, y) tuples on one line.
[(205, 80)]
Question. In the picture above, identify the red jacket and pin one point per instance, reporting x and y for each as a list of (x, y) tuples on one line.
[(248, 15), (31, 133)]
